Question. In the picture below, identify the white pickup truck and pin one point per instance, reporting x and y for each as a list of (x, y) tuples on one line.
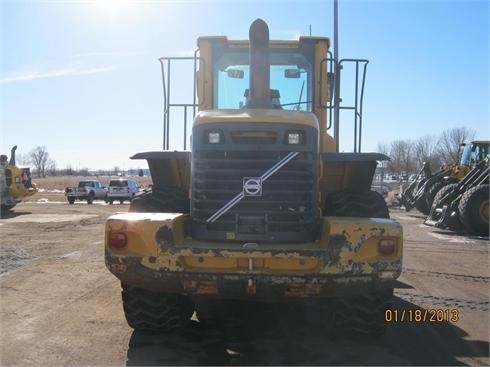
[(89, 190)]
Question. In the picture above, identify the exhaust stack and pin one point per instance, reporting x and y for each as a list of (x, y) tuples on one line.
[(259, 87), (12, 155)]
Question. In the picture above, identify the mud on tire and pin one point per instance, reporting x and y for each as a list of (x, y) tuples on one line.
[(431, 194), (453, 222), (162, 200), (363, 315), (356, 204), (155, 311), (473, 210)]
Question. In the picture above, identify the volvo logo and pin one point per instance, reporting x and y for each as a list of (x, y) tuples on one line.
[(252, 186)]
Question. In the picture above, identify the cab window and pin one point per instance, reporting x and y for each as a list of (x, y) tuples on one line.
[(290, 76)]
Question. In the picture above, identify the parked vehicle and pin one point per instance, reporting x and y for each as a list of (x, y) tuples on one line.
[(89, 190), (465, 204), (422, 191), (121, 189), (264, 207), (15, 182)]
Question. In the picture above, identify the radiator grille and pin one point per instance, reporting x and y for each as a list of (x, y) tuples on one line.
[(285, 211)]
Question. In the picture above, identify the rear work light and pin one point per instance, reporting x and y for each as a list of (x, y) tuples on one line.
[(118, 240), (387, 246)]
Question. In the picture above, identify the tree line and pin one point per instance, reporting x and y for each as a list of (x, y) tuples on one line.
[(407, 155), (43, 165)]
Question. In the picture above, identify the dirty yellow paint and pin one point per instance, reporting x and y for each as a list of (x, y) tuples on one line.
[(344, 246)]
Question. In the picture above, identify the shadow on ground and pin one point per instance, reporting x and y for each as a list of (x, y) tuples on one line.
[(7, 214), (282, 337)]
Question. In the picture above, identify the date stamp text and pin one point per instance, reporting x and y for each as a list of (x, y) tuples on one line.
[(422, 315)]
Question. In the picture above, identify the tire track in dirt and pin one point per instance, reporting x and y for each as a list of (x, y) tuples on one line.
[(445, 302), (463, 277)]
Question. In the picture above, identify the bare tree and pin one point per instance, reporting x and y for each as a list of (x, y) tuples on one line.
[(39, 157), (383, 148), (22, 159), (401, 153), (450, 143), (426, 149), (51, 167)]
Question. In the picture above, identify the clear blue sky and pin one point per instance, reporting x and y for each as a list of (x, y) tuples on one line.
[(82, 77)]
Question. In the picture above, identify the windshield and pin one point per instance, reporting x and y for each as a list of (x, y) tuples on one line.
[(466, 155), (118, 183), (474, 153), (290, 76)]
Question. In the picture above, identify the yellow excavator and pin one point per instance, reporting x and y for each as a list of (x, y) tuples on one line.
[(15, 182), (262, 208)]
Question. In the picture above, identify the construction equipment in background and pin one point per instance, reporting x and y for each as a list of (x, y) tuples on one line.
[(465, 205), (15, 182), (421, 192), (263, 208)]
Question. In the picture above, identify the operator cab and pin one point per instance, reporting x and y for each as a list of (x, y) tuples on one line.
[(290, 80), (275, 99)]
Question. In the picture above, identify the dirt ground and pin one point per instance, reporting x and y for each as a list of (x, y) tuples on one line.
[(60, 306)]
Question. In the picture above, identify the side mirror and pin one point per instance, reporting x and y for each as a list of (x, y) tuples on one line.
[(292, 73), (235, 73)]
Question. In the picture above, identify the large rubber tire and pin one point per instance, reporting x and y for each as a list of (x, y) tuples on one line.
[(170, 200), (6, 208), (164, 312), (421, 206), (363, 315), (90, 198), (368, 204), (213, 312), (432, 192), (473, 210), (441, 193), (71, 200), (453, 221)]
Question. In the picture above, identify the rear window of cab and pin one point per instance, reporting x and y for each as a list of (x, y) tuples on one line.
[(119, 183)]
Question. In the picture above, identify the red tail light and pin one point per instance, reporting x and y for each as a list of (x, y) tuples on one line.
[(387, 246), (118, 240)]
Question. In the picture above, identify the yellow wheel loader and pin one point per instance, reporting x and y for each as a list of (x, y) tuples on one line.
[(464, 205), (262, 208), (422, 191), (15, 182)]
